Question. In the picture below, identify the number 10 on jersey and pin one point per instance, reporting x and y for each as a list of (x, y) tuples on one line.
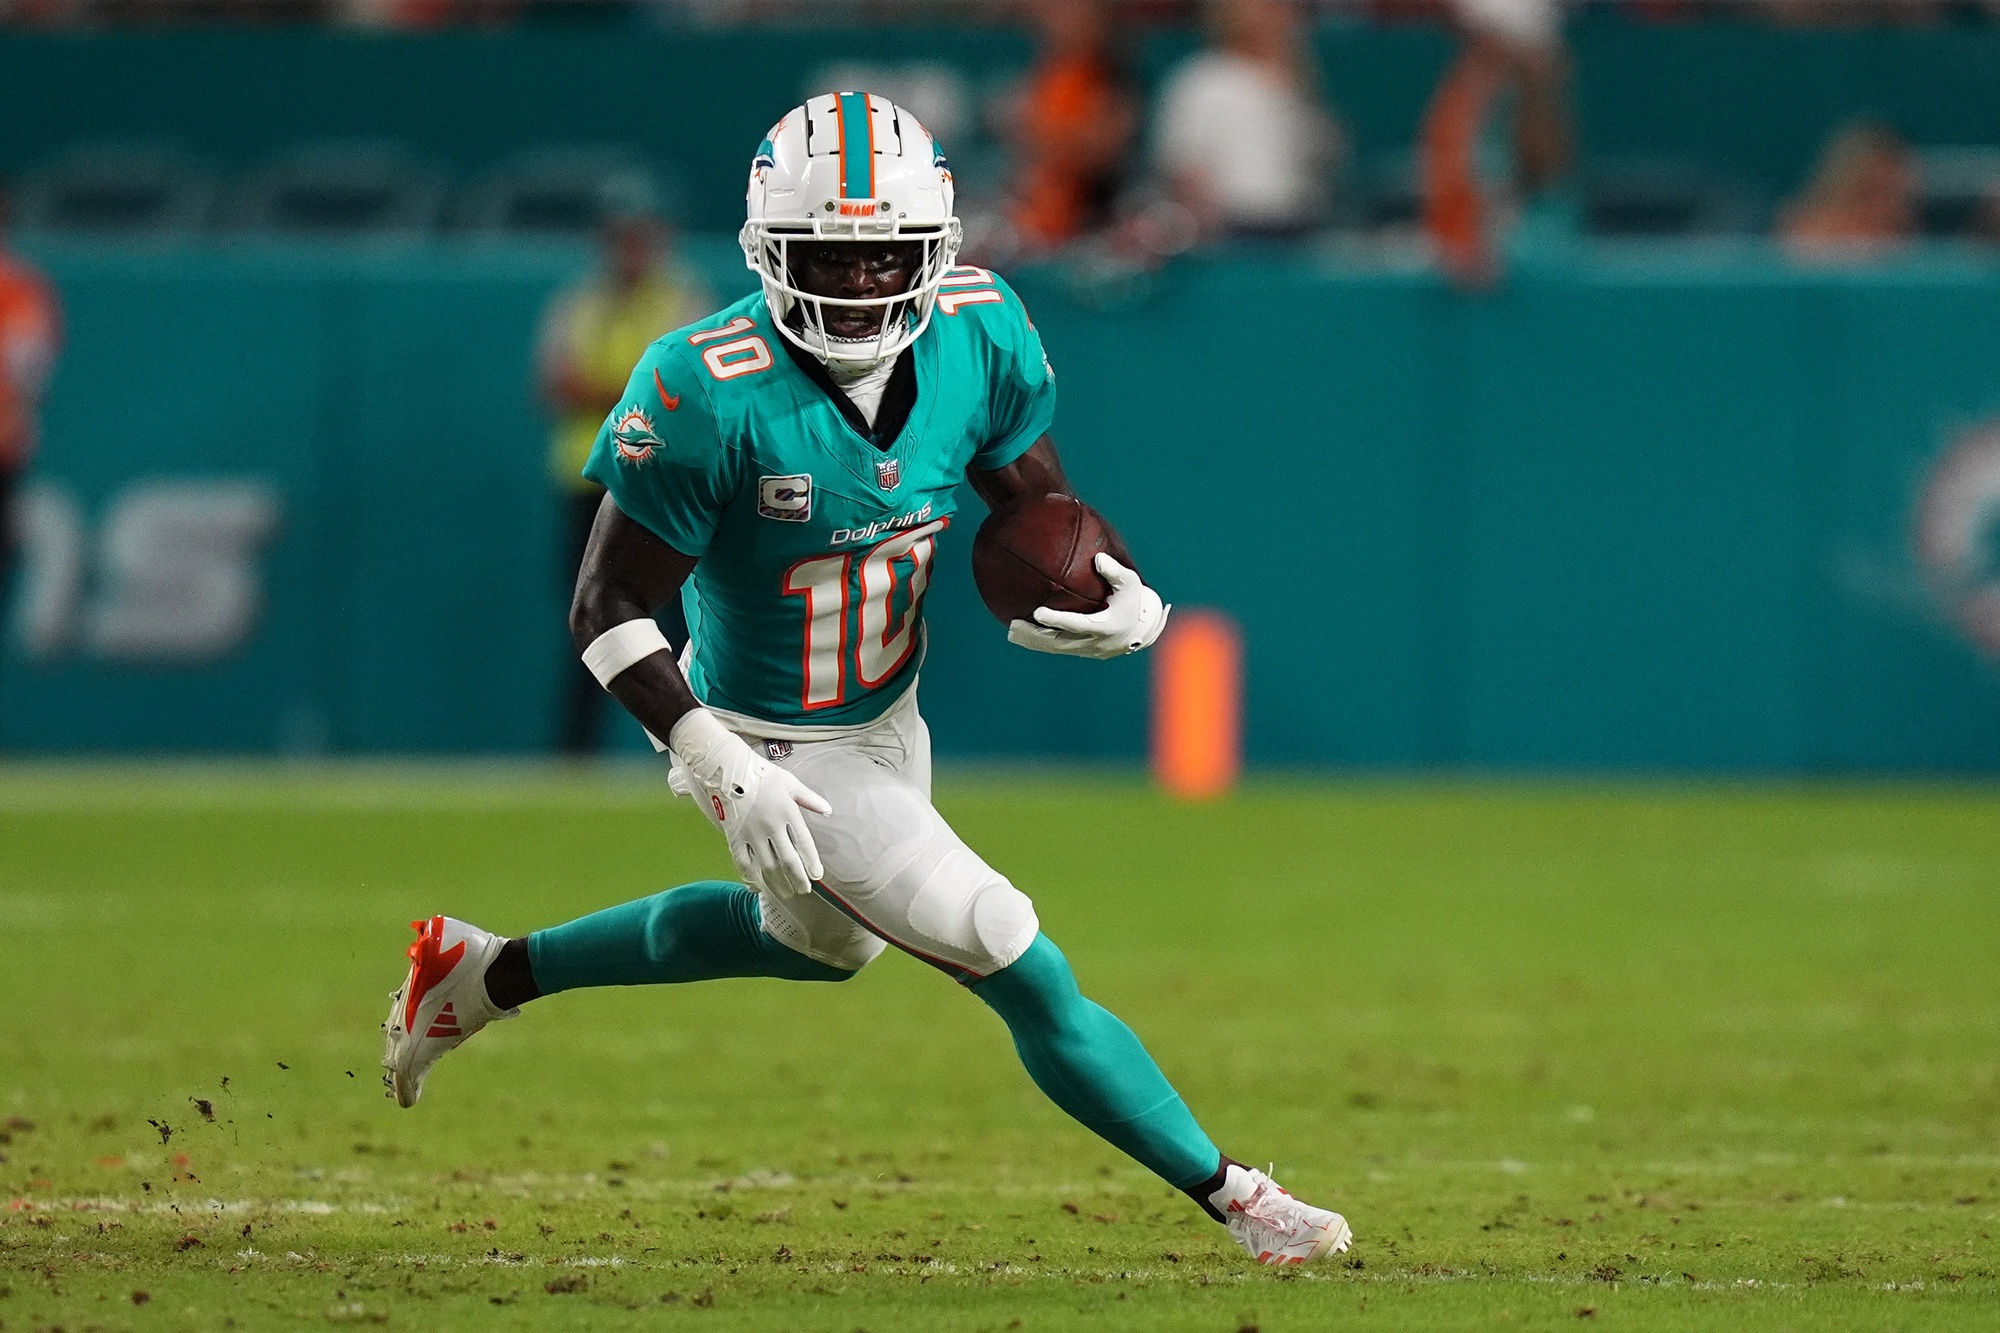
[(883, 640)]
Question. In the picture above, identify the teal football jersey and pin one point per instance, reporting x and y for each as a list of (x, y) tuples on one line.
[(815, 546)]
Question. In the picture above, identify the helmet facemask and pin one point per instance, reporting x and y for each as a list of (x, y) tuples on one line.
[(768, 249)]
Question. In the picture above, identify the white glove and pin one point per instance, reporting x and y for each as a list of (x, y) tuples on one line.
[(758, 806), (1132, 621)]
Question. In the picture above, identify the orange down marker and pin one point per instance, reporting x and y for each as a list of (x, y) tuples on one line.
[(1198, 705)]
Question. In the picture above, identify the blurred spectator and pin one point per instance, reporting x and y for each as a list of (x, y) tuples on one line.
[(1069, 123), (1509, 47), (1244, 140), (592, 334), (30, 335), (1861, 200)]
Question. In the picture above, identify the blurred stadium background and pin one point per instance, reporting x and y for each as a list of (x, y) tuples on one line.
[(1526, 389), (1617, 387)]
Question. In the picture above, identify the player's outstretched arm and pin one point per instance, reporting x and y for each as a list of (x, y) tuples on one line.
[(1135, 615), (627, 573)]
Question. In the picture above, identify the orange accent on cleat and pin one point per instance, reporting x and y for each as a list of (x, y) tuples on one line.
[(429, 964), (445, 1024)]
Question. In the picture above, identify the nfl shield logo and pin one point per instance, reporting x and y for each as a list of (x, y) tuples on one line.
[(889, 473)]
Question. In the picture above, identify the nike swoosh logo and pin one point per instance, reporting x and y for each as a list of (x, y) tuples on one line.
[(670, 401)]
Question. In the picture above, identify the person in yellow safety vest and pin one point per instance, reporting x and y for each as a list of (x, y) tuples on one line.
[(592, 333)]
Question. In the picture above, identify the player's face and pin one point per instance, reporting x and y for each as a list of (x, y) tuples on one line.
[(856, 271)]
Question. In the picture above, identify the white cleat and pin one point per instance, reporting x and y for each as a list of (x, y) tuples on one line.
[(441, 1002), (1272, 1226)]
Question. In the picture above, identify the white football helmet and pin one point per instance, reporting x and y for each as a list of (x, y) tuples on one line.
[(849, 167)]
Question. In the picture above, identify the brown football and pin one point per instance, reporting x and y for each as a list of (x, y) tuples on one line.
[(1039, 552)]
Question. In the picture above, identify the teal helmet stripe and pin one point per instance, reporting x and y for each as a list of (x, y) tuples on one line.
[(857, 147)]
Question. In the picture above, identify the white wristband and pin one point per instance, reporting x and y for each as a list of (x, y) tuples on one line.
[(613, 651)]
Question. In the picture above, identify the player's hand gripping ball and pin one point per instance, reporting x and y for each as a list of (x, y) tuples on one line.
[(1045, 570), (1037, 552)]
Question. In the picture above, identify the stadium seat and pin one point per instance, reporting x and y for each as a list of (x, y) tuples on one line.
[(1952, 182), (342, 189), (1384, 195), (119, 189), (1664, 196), (557, 191)]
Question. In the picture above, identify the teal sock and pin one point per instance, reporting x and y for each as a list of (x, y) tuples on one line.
[(1094, 1067), (698, 932)]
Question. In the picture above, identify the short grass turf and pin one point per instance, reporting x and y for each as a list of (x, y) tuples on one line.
[(1648, 1056)]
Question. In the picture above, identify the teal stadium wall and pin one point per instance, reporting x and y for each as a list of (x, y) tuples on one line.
[(1645, 509), (1649, 508)]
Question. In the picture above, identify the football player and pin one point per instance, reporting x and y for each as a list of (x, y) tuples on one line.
[(787, 467)]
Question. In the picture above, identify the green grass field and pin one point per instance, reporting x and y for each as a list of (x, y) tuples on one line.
[(1648, 1056)]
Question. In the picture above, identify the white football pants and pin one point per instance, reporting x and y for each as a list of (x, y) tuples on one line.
[(895, 871)]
